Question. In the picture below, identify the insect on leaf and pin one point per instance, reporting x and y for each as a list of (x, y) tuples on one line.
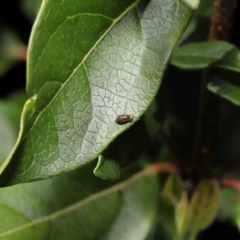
[(89, 62)]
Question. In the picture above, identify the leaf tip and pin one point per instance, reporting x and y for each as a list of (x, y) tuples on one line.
[(192, 3)]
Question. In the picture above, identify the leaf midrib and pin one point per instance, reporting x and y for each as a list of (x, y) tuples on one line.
[(85, 58), (118, 187)]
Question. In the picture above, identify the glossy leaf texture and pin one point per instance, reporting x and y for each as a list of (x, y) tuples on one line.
[(88, 62), (62, 208), (205, 54)]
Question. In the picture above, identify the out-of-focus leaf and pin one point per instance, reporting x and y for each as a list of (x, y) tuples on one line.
[(225, 89), (204, 205), (194, 4), (182, 215), (160, 231), (107, 168), (10, 110), (204, 54), (198, 27), (31, 8), (205, 9), (230, 206), (173, 189), (170, 196), (87, 64), (11, 50), (8, 135), (61, 208)]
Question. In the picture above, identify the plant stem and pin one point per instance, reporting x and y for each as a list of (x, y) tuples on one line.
[(204, 149), (163, 167), (230, 182), (222, 19)]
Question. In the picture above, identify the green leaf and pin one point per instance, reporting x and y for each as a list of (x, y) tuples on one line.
[(205, 54), (160, 231), (205, 9), (193, 3), (61, 208), (31, 8), (182, 215), (8, 135), (126, 149), (229, 206), (204, 205), (11, 50), (107, 168), (225, 89), (88, 63), (198, 27), (170, 197), (10, 110), (173, 189)]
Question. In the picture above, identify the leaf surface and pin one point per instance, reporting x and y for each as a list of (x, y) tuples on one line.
[(61, 208), (89, 62), (10, 111), (127, 149), (225, 90), (204, 205), (204, 54)]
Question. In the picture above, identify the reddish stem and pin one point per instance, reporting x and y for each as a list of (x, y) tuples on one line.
[(163, 167), (230, 182), (18, 52)]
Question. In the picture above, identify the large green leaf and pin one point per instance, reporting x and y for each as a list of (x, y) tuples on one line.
[(61, 208), (88, 62)]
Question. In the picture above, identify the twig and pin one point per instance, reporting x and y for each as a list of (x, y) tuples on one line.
[(207, 124), (222, 19), (163, 167), (230, 182)]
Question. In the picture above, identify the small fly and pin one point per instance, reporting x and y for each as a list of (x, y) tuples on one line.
[(125, 118)]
